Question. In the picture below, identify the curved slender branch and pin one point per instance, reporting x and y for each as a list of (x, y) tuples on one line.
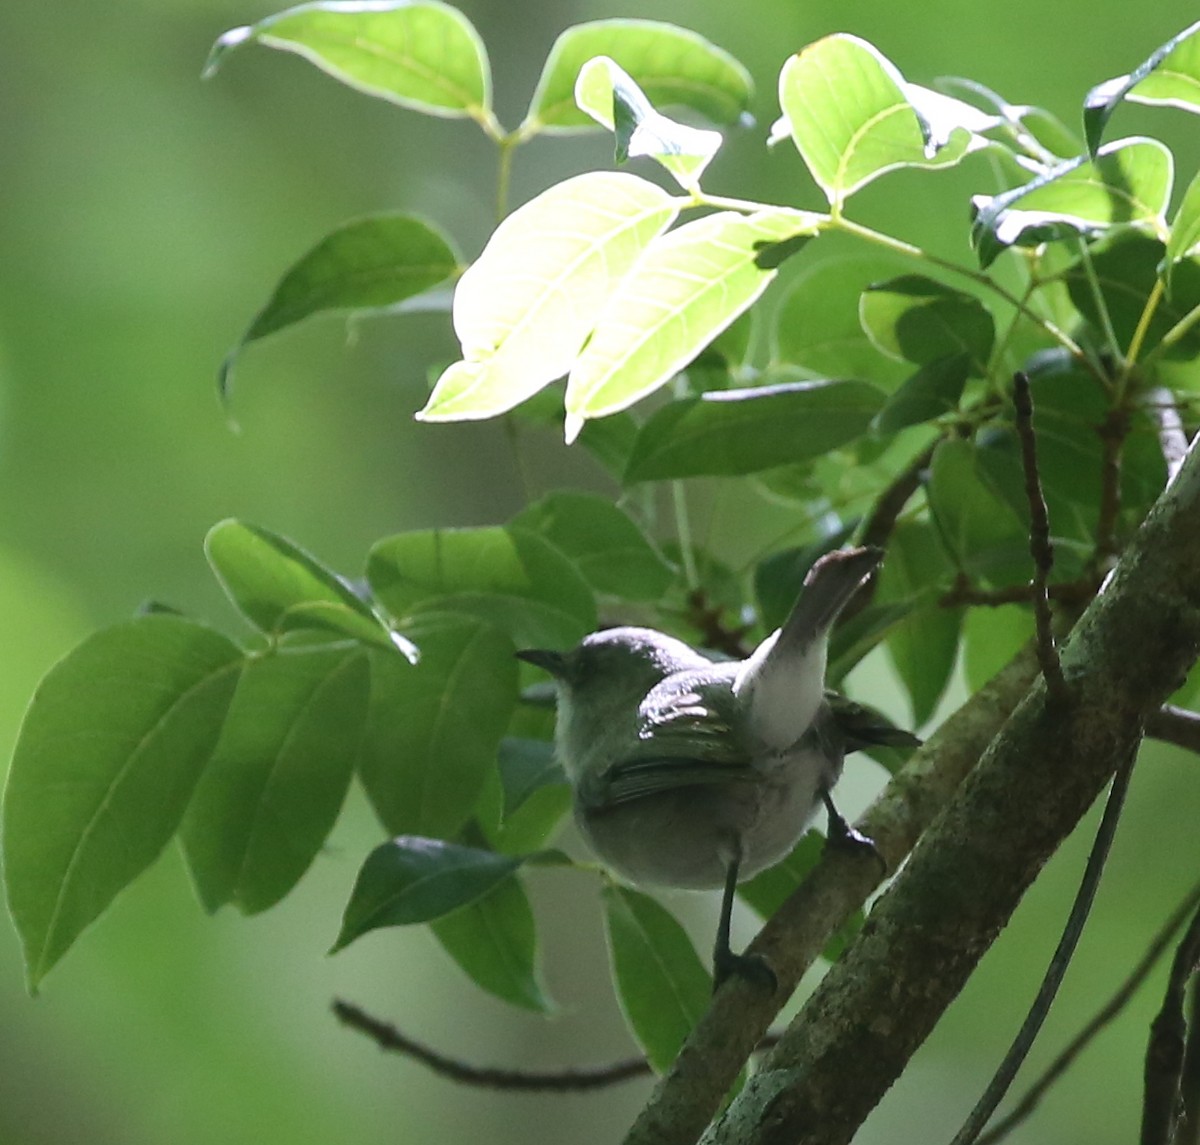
[(1063, 1062), (387, 1037), (1056, 971)]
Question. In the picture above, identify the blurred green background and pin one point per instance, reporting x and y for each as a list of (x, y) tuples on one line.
[(145, 217)]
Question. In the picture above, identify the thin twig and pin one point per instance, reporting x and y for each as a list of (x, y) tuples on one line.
[(881, 521), (1075, 592), (1187, 1132), (1113, 433), (567, 1080), (1055, 972), (1175, 725), (1165, 1053), (1103, 1016), (1040, 547)]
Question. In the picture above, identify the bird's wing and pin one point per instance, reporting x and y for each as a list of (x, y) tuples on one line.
[(861, 726), (689, 735)]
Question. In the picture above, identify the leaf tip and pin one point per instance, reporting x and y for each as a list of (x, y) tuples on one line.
[(572, 427), (224, 44)]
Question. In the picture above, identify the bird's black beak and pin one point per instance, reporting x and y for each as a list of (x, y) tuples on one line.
[(544, 658)]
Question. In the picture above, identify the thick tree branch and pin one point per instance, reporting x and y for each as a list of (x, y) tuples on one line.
[(691, 1092), (1130, 650)]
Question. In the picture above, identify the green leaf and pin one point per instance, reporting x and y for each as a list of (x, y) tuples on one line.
[(779, 577), (110, 750), (1127, 272), (611, 97), (611, 552), (372, 262), (1127, 184), (732, 432), (433, 728), (1034, 131), (280, 588), (504, 574), (525, 308), (924, 645), (991, 638), (979, 531), (915, 319), (412, 879), (421, 55), (494, 940), (1185, 226), (687, 287), (661, 984), (768, 890), (526, 766), (1169, 75), (849, 113), (933, 391), (673, 66), (853, 639), (273, 789), (817, 326)]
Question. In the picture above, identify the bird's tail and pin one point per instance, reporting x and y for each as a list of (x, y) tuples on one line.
[(830, 584)]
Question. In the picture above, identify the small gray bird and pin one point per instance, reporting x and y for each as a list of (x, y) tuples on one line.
[(692, 773)]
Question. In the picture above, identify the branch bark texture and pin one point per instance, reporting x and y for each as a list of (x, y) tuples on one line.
[(1130, 650)]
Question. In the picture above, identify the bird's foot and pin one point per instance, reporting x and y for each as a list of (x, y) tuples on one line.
[(842, 836), (753, 968)]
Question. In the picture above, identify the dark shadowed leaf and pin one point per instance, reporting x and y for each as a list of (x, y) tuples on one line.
[(110, 750), (732, 432), (433, 728), (924, 645), (661, 983), (366, 264), (494, 940), (608, 548), (919, 320), (932, 392), (817, 327), (504, 574), (272, 791), (413, 879)]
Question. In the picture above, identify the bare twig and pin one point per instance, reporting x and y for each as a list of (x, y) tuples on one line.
[(1075, 592), (1103, 1016), (1187, 1132), (1040, 547), (387, 1037), (1165, 1053), (1057, 969), (1175, 725), (569, 1079), (1113, 433)]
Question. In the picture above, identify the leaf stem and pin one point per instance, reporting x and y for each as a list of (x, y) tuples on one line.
[(683, 531), (506, 145), (976, 276)]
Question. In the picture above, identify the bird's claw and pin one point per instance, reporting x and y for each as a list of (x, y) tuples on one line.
[(753, 968)]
